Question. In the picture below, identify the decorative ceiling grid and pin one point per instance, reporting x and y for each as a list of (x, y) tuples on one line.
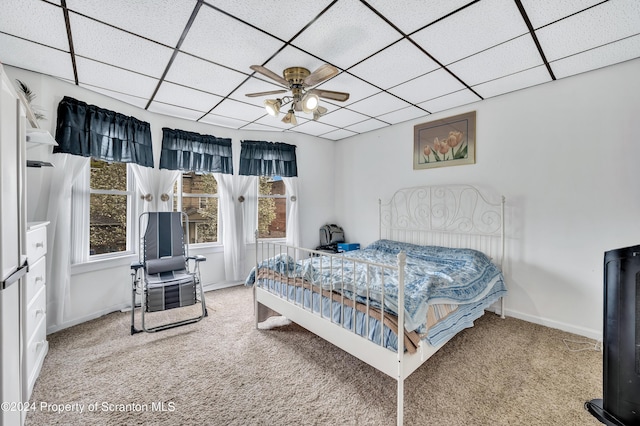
[(398, 60)]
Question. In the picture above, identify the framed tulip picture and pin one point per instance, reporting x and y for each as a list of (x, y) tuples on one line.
[(446, 142)]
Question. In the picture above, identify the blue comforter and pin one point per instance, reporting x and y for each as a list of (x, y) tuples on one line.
[(432, 275)]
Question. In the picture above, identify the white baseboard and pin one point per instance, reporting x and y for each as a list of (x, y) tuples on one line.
[(92, 316), (581, 331), (218, 286)]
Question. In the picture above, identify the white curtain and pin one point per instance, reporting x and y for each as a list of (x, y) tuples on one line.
[(155, 186), (66, 168), (238, 212), (80, 194), (293, 219)]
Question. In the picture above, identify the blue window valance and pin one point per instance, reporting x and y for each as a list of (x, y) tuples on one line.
[(91, 131), (189, 151), (258, 158)]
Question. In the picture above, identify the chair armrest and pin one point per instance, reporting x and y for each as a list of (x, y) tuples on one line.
[(197, 258), (136, 265)]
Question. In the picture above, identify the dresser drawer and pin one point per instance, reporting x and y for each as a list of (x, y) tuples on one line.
[(36, 243), (36, 313), (36, 350), (36, 279)]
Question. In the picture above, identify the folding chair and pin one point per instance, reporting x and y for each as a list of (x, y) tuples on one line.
[(162, 275)]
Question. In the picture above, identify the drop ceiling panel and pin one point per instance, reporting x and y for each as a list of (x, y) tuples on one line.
[(367, 126), (512, 82), (273, 122), (165, 24), (396, 64), (186, 97), (451, 100), (343, 117), (103, 43), (543, 12), (608, 54), (605, 23), (339, 134), (218, 120), (507, 58), (346, 34), (35, 57), (261, 127), (202, 75), (34, 20), (475, 28), (429, 86), (124, 97), (115, 79), (218, 38), (379, 104), (174, 111), (240, 110), (314, 128), (411, 15), (401, 115), (272, 15)]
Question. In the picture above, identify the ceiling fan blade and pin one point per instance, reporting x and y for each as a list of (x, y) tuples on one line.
[(268, 73), (271, 92), (324, 72), (330, 94)]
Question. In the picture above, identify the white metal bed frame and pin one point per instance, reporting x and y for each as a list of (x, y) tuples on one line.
[(447, 215)]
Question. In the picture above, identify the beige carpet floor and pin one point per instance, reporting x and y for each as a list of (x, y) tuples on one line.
[(222, 371)]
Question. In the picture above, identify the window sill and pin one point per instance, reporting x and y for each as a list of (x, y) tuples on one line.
[(205, 248), (116, 261), (269, 240), (124, 260)]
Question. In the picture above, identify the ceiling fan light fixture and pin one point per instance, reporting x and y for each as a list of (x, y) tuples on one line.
[(310, 103), (290, 118), (300, 82), (273, 106), (319, 112)]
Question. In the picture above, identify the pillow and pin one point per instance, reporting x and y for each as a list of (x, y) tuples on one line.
[(165, 264)]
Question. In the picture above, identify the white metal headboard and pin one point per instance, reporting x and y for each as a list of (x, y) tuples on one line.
[(446, 215)]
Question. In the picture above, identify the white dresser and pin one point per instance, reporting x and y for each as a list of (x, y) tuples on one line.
[(34, 307)]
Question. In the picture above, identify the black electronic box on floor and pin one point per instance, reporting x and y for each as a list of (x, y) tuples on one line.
[(620, 405)]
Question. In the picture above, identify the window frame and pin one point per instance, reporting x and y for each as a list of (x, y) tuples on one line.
[(133, 210)]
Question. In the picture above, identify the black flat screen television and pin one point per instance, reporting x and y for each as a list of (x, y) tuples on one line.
[(620, 404)]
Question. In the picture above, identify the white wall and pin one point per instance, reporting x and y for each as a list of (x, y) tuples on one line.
[(566, 156), (103, 287)]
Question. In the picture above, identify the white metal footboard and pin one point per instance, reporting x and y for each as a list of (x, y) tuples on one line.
[(398, 365)]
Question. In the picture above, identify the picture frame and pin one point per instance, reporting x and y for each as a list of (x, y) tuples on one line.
[(446, 142)]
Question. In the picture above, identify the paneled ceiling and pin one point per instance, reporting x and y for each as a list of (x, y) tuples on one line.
[(398, 60)]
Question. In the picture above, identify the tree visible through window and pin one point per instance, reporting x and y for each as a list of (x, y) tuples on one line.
[(272, 208), (108, 205), (197, 196)]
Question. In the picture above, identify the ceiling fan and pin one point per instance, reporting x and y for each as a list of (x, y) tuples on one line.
[(300, 82)]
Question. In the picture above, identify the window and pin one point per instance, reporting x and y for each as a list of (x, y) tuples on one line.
[(196, 194), (110, 208), (272, 207)]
